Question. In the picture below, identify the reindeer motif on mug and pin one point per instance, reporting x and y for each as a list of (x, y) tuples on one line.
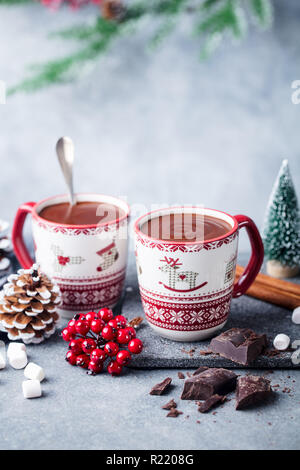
[(172, 266)]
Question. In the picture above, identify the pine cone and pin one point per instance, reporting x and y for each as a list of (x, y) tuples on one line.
[(28, 306)]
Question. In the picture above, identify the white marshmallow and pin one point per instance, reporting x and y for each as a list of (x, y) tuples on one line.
[(281, 342), (34, 372), (31, 388), (13, 347), (18, 359), (296, 316), (2, 355)]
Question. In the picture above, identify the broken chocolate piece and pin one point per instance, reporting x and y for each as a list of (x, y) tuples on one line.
[(181, 375), (199, 370), (208, 383), (240, 345), (211, 402), (160, 388), (169, 405), (173, 413), (252, 389)]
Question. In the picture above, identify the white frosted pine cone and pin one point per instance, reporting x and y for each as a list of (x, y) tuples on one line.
[(28, 306)]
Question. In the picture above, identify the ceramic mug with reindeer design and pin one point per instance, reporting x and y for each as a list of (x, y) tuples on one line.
[(84, 250), (186, 258)]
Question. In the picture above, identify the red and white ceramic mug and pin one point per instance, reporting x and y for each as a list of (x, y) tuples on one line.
[(194, 311), (88, 262)]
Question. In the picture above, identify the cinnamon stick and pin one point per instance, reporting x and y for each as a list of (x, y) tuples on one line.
[(276, 291)]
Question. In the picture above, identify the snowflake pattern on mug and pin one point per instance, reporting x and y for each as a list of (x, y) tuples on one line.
[(187, 317), (86, 296)]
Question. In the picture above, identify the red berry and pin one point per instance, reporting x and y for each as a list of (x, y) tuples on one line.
[(111, 348), (98, 355), (123, 336), (90, 316), (82, 361), (66, 335), (97, 325), (82, 327), (71, 358), (106, 314), (135, 346), (71, 326), (123, 357), (114, 368), (113, 323), (76, 346), (79, 316), (131, 331), (108, 333), (122, 321), (95, 366), (88, 345)]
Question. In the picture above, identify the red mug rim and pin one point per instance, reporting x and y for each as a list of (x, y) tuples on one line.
[(118, 202), (174, 242)]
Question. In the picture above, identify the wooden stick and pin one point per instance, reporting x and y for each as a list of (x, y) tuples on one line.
[(272, 282), (275, 291)]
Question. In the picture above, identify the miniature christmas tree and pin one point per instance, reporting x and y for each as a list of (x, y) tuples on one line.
[(281, 233)]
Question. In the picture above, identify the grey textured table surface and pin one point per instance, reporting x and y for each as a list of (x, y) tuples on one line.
[(78, 411), (231, 133)]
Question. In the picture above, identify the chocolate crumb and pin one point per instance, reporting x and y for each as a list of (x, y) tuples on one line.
[(181, 375), (173, 413), (190, 352), (160, 388), (205, 352), (171, 404)]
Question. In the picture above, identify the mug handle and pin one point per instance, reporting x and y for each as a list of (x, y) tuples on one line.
[(20, 249), (256, 259)]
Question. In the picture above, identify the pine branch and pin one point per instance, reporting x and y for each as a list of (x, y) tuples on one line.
[(262, 11), (60, 70), (214, 19)]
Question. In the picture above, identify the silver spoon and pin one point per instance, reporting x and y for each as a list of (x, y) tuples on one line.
[(65, 154)]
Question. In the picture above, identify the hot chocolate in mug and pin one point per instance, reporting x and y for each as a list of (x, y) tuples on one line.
[(87, 260), (187, 283)]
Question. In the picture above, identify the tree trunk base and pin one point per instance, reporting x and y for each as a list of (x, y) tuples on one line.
[(276, 269)]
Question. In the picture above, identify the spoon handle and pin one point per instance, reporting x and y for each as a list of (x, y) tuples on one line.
[(65, 154)]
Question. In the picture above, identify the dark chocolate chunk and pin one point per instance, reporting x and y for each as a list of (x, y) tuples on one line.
[(199, 370), (252, 389), (241, 345), (173, 413), (181, 375), (169, 405), (208, 383), (211, 402), (160, 388)]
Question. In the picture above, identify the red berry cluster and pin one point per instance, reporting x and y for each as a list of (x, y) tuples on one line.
[(95, 337)]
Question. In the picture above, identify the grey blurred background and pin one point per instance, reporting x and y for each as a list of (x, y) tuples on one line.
[(157, 127)]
